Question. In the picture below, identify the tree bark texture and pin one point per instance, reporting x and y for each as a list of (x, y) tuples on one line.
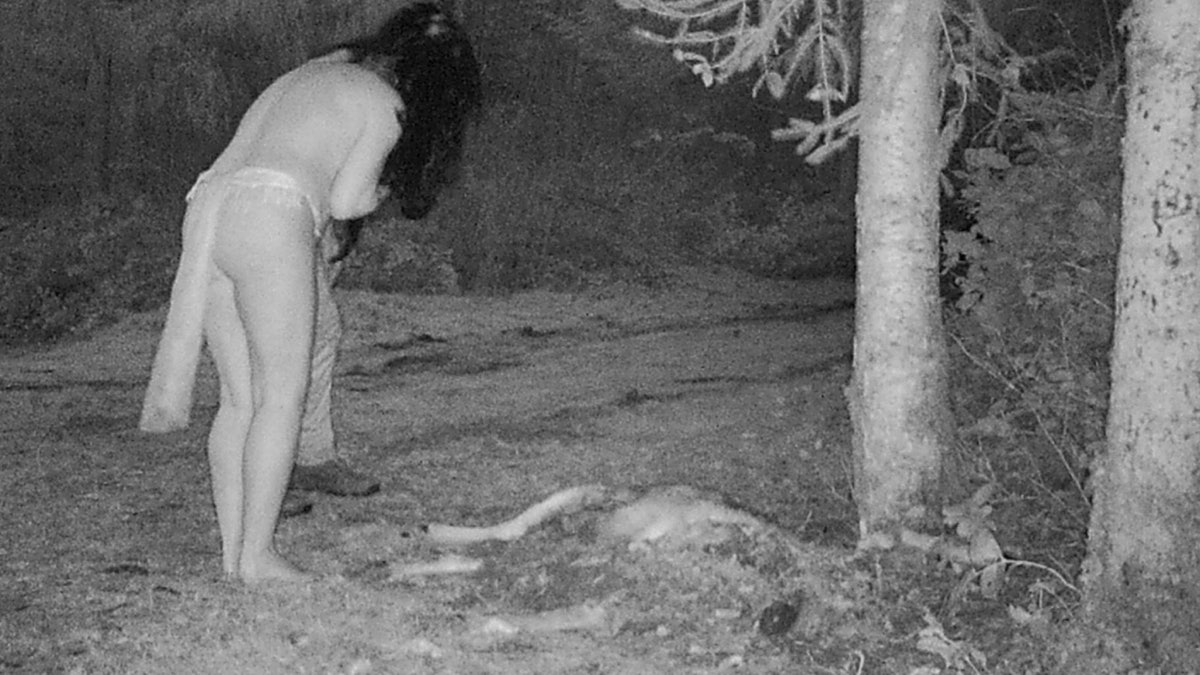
[(1142, 574), (899, 405)]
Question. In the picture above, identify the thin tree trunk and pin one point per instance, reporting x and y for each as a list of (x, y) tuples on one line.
[(899, 405), (1142, 573), (98, 138), (129, 73)]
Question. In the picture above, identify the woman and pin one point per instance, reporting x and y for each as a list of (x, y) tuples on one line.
[(315, 146), (312, 147)]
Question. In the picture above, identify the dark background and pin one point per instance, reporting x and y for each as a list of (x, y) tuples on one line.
[(596, 156)]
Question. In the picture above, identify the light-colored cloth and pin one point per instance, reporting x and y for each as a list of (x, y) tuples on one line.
[(168, 401), (274, 184)]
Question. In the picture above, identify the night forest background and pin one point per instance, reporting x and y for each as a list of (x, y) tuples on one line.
[(596, 158), (596, 155)]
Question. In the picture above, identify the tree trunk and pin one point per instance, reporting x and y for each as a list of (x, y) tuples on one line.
[(97, 141), (899, 405), (1142, 574)]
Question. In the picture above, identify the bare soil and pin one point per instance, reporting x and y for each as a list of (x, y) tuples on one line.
[(471, 409)]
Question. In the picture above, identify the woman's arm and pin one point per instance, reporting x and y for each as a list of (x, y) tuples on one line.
[(356, 190)]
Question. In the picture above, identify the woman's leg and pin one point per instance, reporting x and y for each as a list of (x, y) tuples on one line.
[(267, 250), (227, 439)]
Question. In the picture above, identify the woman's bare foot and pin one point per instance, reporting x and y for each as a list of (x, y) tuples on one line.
[(271, 566), (230, 566)]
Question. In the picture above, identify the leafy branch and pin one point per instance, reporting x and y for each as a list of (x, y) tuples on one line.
[(790, 41), (786, 41)]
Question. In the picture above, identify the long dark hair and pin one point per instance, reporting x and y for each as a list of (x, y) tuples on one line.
[(426, 55)]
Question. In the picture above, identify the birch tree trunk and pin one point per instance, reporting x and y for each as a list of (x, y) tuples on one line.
[(1142, 574), (898, 397)]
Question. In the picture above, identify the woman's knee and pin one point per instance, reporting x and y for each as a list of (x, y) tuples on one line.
[(235, 397), (285, 394)]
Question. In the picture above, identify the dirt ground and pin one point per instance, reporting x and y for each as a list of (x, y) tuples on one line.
[(707, 392)]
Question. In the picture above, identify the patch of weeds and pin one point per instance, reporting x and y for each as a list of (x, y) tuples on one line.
[(72, 269), (398, 256), (1030, 331), (800, 240)]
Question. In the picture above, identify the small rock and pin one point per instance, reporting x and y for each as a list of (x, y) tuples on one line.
[(778, 618)]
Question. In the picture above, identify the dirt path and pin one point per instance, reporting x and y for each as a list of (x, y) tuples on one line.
[(470, 410)]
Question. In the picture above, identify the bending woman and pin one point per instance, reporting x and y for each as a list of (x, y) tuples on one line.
[(311, 148)]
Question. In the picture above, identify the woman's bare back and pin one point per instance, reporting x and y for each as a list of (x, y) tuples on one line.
[(327, 124)]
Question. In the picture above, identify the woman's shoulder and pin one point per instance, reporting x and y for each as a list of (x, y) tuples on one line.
[(349, 78)]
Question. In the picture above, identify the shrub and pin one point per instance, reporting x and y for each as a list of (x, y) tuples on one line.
[(800, 239), (1035, 311), (397, 256), (71, 269)]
